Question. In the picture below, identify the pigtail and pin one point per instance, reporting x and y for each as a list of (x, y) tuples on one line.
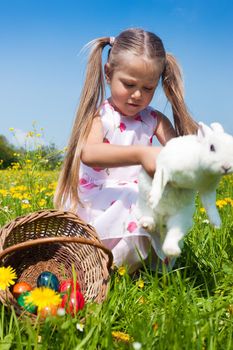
[(92, 96), (173, 88)]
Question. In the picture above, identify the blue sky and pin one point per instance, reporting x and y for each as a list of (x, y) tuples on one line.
[(42, 70)]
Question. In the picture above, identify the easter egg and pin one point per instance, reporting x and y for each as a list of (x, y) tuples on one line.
[(48, 279), (50, 310), (67, 285), (28, 307), (73, 303), (20, 288)]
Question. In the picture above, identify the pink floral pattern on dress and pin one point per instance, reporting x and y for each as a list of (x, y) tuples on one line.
[(138, 118), (105, 140), (132, 226), (154, 114), (97, 169), (122, 127), (83, 182), (151, 139)]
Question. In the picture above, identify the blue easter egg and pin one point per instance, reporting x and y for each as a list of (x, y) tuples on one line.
[(48, 279)]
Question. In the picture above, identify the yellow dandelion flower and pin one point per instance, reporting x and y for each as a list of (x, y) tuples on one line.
[(7, 277), (122, 336), (11, 129), (17, 196), (42, 297), (142, 300), (122, 270), (229, 200), (15, 166), (3, 192), (202, 210), (42, 202), (221, 203), (52, 185), (25, 205), (140, 284), (49, 194)]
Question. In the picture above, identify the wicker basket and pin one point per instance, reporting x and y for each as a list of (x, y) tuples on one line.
[(52, 240)]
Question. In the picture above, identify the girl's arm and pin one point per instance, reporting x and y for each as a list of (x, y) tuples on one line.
[(164, 130), (96, 153)]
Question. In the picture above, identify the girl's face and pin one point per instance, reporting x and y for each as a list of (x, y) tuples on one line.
[(133, 83)]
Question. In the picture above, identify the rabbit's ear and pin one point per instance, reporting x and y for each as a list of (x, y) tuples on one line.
[(217, 127), (203, 131)]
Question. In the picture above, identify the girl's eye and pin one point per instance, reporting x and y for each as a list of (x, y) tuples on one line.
[(128, 85), (148, 89)]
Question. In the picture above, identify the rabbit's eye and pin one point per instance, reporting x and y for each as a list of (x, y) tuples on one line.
[(212, 148)]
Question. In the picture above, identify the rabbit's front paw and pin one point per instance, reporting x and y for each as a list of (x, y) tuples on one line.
[(171, 249), (147, 222)]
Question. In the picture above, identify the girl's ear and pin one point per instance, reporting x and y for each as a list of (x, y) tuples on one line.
[(107, 73)]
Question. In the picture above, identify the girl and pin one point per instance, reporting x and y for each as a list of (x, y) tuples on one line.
[(110, 139)]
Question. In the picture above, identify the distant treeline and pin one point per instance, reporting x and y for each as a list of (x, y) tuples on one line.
[(49, 156)]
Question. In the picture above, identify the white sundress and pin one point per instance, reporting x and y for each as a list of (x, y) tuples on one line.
[(109, 195)]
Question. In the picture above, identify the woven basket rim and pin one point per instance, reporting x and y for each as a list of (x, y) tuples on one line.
[(46, 213), (80, 240)]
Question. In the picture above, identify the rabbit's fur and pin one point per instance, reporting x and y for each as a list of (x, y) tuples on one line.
[(185, 166)]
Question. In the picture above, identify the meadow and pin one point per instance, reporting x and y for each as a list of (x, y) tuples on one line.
[(190, 307)]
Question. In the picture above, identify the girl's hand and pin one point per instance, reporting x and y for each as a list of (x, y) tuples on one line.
[(148, 159)]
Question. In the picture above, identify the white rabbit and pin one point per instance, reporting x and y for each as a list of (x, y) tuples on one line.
[(185, 166)]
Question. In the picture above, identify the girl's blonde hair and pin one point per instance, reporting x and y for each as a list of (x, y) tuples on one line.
[(140, 43)]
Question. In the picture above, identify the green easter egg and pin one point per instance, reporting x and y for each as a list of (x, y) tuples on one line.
[(28, 307)]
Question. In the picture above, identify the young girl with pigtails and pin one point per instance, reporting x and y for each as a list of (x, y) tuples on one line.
[(111, 140)]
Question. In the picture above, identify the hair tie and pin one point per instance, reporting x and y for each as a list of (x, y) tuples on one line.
[(111, 40)]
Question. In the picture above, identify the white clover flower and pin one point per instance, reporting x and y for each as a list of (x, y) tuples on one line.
[(80, 327), (136, 345), (25, 201)]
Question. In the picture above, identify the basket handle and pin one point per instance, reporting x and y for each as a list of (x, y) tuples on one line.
[(33, 242)]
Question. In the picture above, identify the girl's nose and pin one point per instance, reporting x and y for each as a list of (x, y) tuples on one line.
[(137, 94)]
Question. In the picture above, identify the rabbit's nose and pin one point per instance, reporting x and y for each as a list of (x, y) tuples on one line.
[(226, 168)]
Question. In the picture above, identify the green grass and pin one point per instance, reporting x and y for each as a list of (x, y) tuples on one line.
[(190, 307)]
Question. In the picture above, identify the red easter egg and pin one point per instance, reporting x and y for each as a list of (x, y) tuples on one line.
[(73, 303), (67, 285), (50, 310), (21, 287)]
